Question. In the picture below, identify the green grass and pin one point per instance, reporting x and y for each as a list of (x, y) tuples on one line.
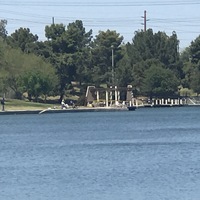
[(13, 104)]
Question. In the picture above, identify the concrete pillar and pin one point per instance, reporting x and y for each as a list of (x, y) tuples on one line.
[(129, 95), (116, 96), (106, 98), (136, 102), (97, 96), (111, 95)]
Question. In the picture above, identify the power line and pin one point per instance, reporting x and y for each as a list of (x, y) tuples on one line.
[(98, 4), (26, 15)]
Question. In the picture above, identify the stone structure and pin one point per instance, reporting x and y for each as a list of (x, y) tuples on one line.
[(108, 96)]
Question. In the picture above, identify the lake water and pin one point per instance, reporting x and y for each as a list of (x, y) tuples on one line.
[(147, 154)]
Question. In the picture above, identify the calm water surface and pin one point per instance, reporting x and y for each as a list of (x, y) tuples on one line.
[(148, 154)]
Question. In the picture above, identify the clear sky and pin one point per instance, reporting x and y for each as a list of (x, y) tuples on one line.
[(124, 16)]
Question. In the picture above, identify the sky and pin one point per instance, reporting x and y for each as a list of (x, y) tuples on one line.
[(123, 16)]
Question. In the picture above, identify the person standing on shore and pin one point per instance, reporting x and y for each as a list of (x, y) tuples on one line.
[(3, 104)]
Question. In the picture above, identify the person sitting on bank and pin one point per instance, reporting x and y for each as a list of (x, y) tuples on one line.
[(64, 105), (72, 104)]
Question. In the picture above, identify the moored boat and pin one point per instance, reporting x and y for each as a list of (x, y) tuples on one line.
[(131, 108)]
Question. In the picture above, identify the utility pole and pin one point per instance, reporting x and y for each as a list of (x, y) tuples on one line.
[(145, 20)]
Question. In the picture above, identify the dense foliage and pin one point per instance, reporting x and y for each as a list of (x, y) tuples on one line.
[(151, 62)]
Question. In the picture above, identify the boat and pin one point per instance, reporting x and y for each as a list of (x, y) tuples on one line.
[(131, 108)]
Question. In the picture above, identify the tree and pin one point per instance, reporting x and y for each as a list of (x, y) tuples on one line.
[(68, 45), (79, 44), (23, 39), (160, 82), (124, 72), (14, 68), (195, 50), (195, 81), (39, 78), (36, 84), (187, 68), (102, 47), (138, 72), (191, 62), (18, 65), (31, 84), (3, 87), (149, 45), (83, 66), (41, 49), (54, 31), (3, 31), (147, 49), (142, 47)]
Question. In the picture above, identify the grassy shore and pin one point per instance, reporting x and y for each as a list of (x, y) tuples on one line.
[(13, 104)]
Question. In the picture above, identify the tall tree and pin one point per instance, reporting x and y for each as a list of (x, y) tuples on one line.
[(192, 65), (195, 50), (160, 82), (19, 64), (105, 45), (3, 31), (124, 72), (150, 48), (23, 39), (149, 45), (187, 68), (195, 81), (79, 44), (138, 72), (3, 87), (67, 44)]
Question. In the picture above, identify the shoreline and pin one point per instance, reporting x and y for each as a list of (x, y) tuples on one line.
[(87, 109), (68, 110)]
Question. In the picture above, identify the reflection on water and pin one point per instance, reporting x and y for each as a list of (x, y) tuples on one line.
[(146, 154)]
